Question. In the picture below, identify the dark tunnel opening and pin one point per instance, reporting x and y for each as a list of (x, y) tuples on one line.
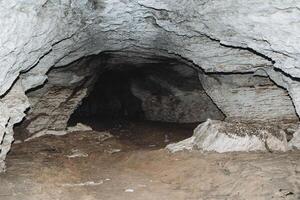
[(111, 99), (152, 104)]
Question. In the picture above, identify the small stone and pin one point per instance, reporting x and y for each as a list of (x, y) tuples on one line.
[(79, 127), (129, 190), (76, 153), (112, 151)]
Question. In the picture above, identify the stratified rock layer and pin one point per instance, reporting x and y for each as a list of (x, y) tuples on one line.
[(248, 97)]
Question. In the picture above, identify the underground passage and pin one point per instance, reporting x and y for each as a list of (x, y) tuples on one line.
[(146, 99)]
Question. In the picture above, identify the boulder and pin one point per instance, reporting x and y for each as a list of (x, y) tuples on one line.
[(220, 136)]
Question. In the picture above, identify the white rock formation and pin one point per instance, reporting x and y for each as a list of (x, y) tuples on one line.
[(79, 127), (246, 97), (187, 144), (221, 137), (218, 36), (294, 143)]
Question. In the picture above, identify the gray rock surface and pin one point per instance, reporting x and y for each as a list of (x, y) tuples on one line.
[(53, 104), (294, 143), (13, 107), (221, 137), (248, 97), (218, 36)]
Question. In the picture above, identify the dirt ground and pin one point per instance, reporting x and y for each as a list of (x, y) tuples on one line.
[(133, 165)]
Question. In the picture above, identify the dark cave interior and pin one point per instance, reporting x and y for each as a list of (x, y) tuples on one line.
[(167, 92)]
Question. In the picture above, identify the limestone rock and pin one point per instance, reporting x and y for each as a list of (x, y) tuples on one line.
[(53, 104), (79, 127), (248, 97), (187, 144), (13, 107), (294, 143), (53, 110), (221, 137)]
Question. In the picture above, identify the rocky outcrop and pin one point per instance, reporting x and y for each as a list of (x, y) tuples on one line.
[(13, 107), (249, 97), (53, 104), (223, 137), (218, 36)]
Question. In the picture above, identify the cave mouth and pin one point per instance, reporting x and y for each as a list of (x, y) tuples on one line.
[(110, 101), (145, 99), (135, 92), (149, 105)]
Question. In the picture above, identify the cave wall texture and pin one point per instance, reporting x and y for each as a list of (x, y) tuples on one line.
[(228, 36)]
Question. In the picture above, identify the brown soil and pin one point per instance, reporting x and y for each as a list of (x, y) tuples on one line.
[(41, 169)]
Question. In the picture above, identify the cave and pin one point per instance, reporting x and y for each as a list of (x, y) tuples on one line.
[(162, 93), (114, 91), (147, 99), (140, 92)]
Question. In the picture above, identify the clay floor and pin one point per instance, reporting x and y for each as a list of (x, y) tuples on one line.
[(133, 165)]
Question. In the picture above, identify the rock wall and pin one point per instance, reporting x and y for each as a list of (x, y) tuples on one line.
[(218, 36), (52, 104), (249, 97), (12, 106), (174, 94)]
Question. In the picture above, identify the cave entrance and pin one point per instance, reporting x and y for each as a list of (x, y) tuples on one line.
[(139, 97), (142, 99), (150, 104)]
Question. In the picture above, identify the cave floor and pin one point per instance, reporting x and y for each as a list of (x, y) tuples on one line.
[(88, 166)]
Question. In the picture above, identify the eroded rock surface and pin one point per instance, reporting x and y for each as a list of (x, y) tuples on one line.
[(53, 104), (295, 141), (221, 137), (249, 97), (12, 107)]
